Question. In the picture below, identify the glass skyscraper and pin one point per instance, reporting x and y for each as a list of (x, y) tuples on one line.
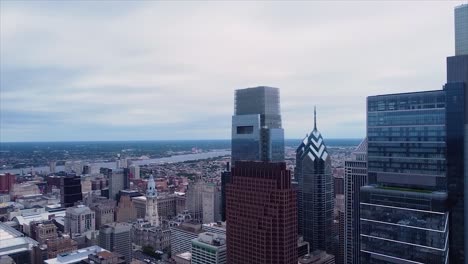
[(314, 179), (402, 212), (457, 138), (461, 30), (414, 208), (256, 125)]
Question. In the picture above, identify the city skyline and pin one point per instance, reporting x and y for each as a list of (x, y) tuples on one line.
[(123, 75)]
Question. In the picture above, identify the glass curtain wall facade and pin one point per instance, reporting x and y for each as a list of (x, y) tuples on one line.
[(457, 138), (256, 125), (461, 30), (403, 213), (71, 188), (314, 179)]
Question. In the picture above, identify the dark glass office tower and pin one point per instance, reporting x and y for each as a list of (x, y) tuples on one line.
[(261, 214), (414, 209), (355, 177), (69, 185), (315, 191), (256, 125), (457, 138), (404, 213)]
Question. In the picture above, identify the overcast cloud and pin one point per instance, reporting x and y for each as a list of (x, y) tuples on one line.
[(125, 70)]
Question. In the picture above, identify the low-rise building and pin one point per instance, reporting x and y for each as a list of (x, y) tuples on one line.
[(51, 248), (117, 237), (125, 211), (7, 181), (139, 203), (317, 257), (24, 218), (158, 237), (42, 231), (59, 246), (303, 247), (167, 205), (24, 189), (216, 228), (209, 248), (183, 258), (15, 245), (75, 256), (104, 211), (182, 235), (79, 219), (29, 201), (105, 258)]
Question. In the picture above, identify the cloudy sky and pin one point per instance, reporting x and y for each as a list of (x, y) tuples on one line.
[(83, 70)]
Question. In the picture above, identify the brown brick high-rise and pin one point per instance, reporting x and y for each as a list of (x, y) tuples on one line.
[(261, 214)]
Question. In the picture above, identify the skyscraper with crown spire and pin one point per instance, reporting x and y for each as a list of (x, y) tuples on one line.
[(313, 174), (152, 203)]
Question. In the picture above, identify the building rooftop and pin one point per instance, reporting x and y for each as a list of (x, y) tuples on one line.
[(185, 255), (195, 228), (362, 148), (212, 239), (316, 257), (116, 227), (75, 256), (105, 254), (221, 225), (79, 209), (27, 219), (13, 241)]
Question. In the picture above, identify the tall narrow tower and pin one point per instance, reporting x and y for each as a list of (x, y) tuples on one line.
[(355, 178), (315, 191), (152, 203)]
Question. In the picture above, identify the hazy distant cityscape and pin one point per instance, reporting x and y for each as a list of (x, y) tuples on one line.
[(397, 195), (32, 155)]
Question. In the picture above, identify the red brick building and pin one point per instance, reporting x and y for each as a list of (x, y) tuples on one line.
[(6, 182), (261, 214)]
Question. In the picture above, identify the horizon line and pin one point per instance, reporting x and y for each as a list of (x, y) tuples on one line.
[(148, 140)]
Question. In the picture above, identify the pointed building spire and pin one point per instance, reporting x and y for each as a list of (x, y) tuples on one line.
[(315, 117)]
